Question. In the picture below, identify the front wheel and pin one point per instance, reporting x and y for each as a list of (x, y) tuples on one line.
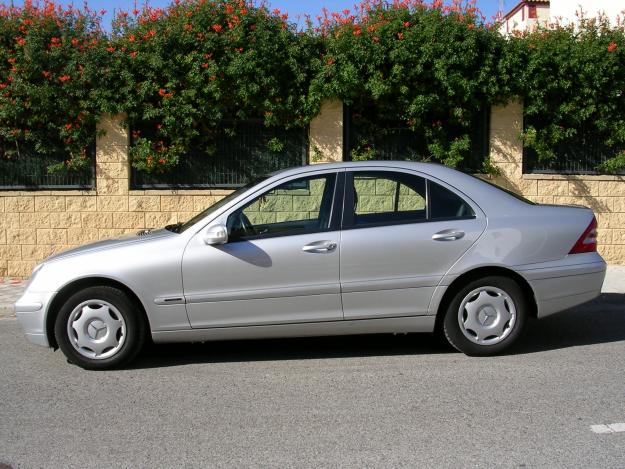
[(99, 328), (486, 316)]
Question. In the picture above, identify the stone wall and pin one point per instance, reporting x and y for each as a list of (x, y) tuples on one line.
[(604, 194), (35, 224)]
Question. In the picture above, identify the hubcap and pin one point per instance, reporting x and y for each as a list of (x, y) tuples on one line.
[(487, 315), (96, 329)]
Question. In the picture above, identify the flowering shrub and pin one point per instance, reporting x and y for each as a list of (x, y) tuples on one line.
[(572, 82), (187, 69), (431, 67), (48, 61), (181, 73)]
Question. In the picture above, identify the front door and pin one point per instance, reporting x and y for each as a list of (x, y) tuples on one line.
[(280, 264), (401, 235)]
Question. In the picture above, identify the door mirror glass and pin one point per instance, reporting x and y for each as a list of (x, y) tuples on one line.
[(217, 234)]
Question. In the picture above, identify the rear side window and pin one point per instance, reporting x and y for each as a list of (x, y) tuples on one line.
[(387, 198), (445, 205)]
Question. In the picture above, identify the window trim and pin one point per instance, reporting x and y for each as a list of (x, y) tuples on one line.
[(348, 201), (337, 178)]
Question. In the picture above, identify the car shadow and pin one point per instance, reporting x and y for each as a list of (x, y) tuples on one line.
[(600, 321)]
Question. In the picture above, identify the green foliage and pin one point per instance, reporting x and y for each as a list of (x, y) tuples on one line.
[(571, 80), (180, 73), (430, 68), (48, 83)]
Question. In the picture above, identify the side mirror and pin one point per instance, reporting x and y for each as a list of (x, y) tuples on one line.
[(217, 234)]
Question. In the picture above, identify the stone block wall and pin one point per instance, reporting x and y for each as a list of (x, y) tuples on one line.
[(604, 194), (35, 224)]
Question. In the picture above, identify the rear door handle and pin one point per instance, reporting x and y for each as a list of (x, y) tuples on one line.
[(320, 247), (448, 235)]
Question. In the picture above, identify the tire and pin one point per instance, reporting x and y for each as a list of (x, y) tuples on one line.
[(486, 316), (100, 328)]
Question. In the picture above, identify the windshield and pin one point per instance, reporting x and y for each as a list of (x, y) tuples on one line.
[(180, 227)]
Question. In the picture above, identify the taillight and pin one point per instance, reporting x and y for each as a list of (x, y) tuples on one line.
[(587, 242)]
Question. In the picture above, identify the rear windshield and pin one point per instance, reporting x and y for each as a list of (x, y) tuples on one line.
[(507, 191)]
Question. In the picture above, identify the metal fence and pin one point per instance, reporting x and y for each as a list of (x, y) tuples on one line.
[(580, 155), (394, 141), (29, 171), (240, 151)]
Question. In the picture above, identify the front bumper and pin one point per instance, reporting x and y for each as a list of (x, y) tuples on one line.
[(31, 310)]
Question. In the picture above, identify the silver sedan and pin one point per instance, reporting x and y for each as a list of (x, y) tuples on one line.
[(348, 248)]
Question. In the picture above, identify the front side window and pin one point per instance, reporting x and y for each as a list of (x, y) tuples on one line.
[(296, 207)]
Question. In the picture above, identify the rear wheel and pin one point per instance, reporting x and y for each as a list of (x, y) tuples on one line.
[(100, 328), (486, 316)]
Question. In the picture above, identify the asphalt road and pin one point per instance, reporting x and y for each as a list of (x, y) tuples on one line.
[(376, 401)]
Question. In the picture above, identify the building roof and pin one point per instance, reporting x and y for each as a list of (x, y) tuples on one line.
[(521, 4)]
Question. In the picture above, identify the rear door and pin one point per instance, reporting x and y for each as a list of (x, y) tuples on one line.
[(401, 233)]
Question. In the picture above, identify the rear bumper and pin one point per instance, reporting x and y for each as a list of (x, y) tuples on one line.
[(559, 287), (30, 310)]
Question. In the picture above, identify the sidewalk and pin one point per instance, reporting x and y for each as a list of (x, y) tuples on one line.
[(11, 290)]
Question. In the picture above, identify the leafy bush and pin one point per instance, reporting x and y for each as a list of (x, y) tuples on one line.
[(180, 73), (572, 81), (431, 69), (49, 63), (187, 69)]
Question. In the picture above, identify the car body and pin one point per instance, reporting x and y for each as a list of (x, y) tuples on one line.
[(328, 249)]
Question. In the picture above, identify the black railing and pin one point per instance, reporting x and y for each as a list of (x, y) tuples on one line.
[(239, 153), (580, 155), (395, 141), (27, 170)]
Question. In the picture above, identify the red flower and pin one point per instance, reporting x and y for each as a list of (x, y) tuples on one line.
[(188, 27), (204, 65), (64, 78), (375, 39), (216, 27), (407, 24), (133, 55), (161, 161), (3, 86), (612, 47), (75, 42), (46, 74), (212, 78), (400, 36), (21, 41), (11, 60), (110, 49), (132, 38), (68, 126), (163, 93)]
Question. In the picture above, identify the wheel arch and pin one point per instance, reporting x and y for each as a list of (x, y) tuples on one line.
[(80, 284), (478, 273)]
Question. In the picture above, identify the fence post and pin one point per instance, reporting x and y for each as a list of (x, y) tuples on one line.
[(326, 133)]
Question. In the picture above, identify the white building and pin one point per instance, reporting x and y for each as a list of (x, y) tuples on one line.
[(564, 10), (528, 14)]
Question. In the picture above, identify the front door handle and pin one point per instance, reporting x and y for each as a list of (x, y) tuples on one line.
[(448, 235), (320, 247)]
